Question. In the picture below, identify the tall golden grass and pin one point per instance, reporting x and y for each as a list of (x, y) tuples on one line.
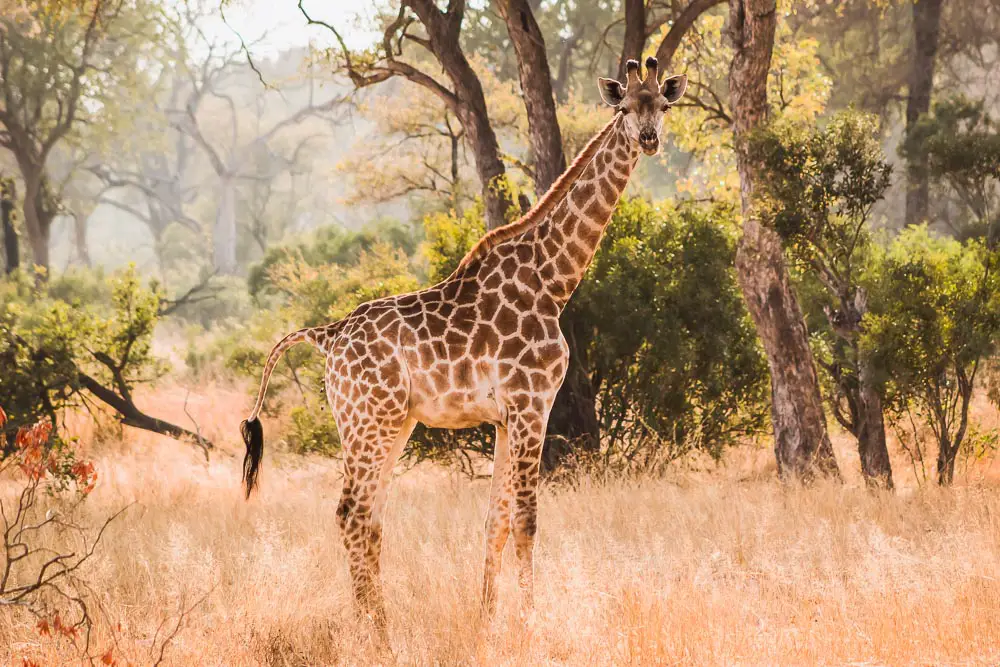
[(718, 567)]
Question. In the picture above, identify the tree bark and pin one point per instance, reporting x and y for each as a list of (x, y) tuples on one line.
[(926, 29), (536, 87), (801, 443), (12, 252)]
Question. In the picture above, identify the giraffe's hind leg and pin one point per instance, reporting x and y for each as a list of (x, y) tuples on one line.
[(497, 519), (368, 454), (382, 492)]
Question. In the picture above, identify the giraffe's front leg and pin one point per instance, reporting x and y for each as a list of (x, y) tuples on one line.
[(497, 519), (527, 433)]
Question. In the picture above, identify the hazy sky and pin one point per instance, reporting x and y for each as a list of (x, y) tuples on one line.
[(286, 27)]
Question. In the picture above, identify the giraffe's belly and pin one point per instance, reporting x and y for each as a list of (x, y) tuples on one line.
[(456, 409), (454, 397)]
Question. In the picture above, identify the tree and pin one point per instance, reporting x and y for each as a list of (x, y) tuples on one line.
[(816, 190), (57, 353), (641, 24), (957, 149), (441, 41), (228, 158), (49, 84), (926, 29), (801, 443), (933, 322)]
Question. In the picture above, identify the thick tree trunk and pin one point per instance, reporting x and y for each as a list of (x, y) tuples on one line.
[(926, 28), (536, 86), (12, 252), (870, 432), (635, 34), (443, 30), (224, 234), (801, 443)]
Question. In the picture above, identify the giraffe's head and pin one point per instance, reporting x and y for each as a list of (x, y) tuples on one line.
[(643, 103)]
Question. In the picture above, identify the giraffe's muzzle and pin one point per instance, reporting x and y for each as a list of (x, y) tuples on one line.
[(649, 142)]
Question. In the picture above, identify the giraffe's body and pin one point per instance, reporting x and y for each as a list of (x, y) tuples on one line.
[(483, 346)]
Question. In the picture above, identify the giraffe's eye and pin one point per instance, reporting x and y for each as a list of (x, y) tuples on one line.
[(666, 107)]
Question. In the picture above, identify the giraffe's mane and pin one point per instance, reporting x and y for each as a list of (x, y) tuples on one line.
[(543, 206)]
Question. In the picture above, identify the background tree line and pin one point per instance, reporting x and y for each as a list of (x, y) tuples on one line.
[(817, 238)]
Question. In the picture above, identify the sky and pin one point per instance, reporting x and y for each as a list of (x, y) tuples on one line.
[(285, 26)]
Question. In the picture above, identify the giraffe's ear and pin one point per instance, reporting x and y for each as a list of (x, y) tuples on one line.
[(673, 87), (612, 91)]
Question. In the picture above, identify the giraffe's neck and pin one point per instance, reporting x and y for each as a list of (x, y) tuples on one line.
[(565, 243)]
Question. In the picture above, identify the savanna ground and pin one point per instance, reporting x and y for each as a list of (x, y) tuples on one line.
[(705, 566)]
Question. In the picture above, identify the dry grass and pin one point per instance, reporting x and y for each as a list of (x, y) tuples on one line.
[(697, 569)]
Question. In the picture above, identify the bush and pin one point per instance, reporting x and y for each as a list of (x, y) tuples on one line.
[(934, 322), (670, 349)]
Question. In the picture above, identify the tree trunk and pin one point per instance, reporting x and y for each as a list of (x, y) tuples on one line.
[(536, 86), (926, 28), (801, 443), (870, 432), (573, 424), (947, 453), (37, 217), (80, 239), (224, 234), (635, 34), (443, 30), (12, 253)]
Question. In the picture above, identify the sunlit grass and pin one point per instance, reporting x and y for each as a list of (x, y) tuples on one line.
[(723, 567)]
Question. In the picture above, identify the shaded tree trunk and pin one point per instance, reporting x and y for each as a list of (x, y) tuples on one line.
[(536, 87), (926, 29), (801, 443), (948, 444), (870, 432), (12, 252)]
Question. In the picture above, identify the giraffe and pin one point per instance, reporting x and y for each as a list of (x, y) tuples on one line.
[(482, 346)]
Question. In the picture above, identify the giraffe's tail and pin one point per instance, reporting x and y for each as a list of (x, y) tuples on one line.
[(253, 433)]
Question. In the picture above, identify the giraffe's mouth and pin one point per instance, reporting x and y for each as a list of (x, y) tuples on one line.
[(650, 149)]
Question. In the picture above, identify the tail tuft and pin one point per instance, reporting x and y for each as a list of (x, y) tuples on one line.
[(253, 436)]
